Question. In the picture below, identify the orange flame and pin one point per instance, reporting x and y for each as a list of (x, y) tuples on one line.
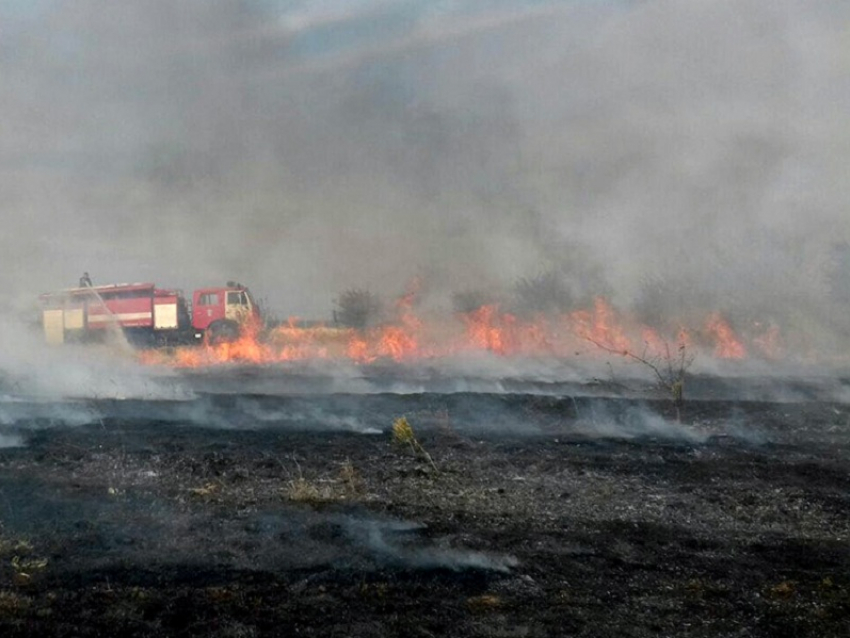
[(727, 345), (487, 329), (484, 329), (601, 326)]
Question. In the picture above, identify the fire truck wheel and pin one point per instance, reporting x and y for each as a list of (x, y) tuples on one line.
[(223, 331)]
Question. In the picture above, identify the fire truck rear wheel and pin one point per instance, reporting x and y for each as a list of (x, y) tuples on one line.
[(223, 331)]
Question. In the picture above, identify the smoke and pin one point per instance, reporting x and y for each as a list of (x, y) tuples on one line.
[(294, 414), (386, 540), (307, 148), (45, 387), (36, 372), (10, 440), (635, 423)]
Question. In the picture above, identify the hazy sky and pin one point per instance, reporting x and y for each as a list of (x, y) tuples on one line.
[(308, 147)]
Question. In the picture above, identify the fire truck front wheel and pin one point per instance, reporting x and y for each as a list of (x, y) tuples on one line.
[(223, 331)]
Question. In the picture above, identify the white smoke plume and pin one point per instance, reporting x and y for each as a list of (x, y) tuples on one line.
[(305, 148), (31, 369)]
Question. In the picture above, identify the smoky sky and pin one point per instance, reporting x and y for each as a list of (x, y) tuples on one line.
[(305, 148)]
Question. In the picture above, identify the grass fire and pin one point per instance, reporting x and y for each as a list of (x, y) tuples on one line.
[(478, 318), (409, 337)]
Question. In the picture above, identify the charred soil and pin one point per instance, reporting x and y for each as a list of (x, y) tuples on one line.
[(540, 516)]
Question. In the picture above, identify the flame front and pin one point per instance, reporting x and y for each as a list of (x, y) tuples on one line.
[(487, 329), (727, 343)]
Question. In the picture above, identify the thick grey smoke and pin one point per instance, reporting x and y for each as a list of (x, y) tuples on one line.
[(305, 148), (32, 369)]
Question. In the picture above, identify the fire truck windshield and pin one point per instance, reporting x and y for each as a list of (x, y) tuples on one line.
[(237, 299)]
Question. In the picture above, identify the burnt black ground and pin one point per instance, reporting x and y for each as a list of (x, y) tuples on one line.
[(250, 515)]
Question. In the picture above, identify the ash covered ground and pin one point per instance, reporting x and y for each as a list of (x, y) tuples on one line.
[(275, 502)]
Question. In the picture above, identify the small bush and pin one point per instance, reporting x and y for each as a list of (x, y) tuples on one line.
[(357, 309), (545, 293), (403, 435), (12, 604), (469, 301)]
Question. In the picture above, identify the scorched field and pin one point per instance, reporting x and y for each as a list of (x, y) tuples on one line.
[(273, 502)]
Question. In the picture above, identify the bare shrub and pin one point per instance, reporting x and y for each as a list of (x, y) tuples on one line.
[(357, 308), (469, 301), (666, 301), (545, 293), (269, 317), (670, 369)]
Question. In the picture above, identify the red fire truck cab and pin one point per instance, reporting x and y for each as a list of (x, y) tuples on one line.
[(147, 315), (222, 312)]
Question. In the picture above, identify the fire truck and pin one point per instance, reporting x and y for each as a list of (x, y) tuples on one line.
[(148, 316)]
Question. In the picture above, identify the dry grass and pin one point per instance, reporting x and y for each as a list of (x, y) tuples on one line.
[(28, 565), (24, 564), (206, 491), (403, 435), (403, 432), (783, 590), (301, 490), (13, 604), (484, 603), (17, 547), (351, 479), (347, 484), (377, 591)]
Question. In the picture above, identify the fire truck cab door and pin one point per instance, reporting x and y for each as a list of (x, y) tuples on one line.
[(209, 307), (238, 307)]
